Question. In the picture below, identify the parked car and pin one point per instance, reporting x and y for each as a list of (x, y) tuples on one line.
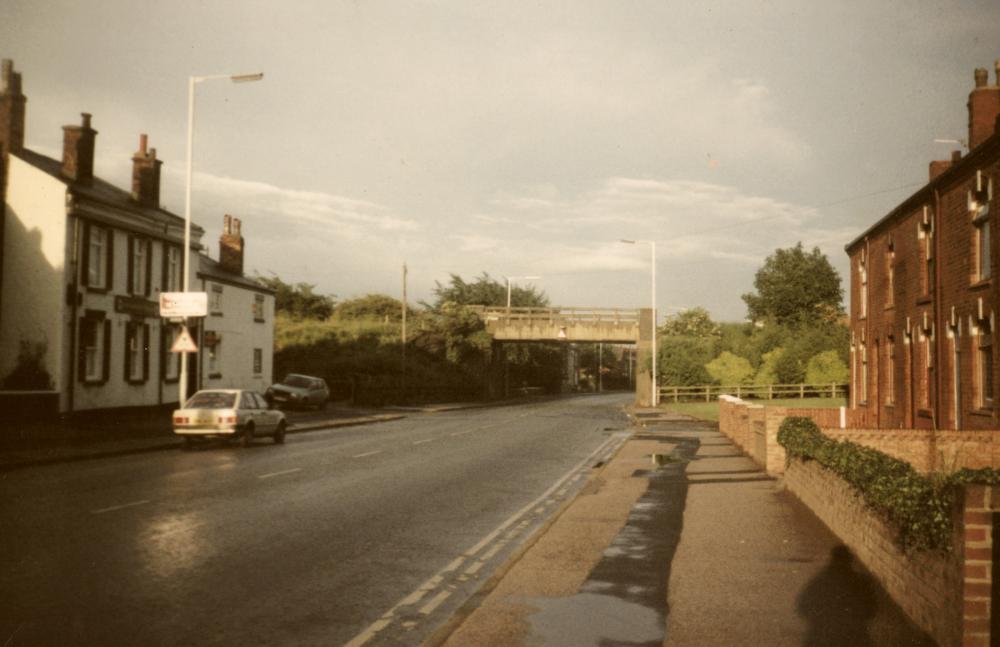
[(299, 391), (229, 413)]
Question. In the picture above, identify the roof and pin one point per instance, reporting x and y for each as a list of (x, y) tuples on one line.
[(211, 269), (101, 191), (958, 170)]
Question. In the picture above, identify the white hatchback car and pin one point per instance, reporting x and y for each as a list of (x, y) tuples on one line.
[(228, 413)]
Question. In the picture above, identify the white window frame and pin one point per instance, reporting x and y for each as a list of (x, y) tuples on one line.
[(92, 341), (215, 299), (139, 279), (97, 256), (174, 267)]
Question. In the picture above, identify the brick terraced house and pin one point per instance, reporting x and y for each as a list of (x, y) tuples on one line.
[(925, 291), (82, 263)]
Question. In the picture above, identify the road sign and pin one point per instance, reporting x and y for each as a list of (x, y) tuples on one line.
[(184, 343), (183, 304)]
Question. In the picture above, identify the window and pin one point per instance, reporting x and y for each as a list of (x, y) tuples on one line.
[(890, 370), (212, 352), (97, 257), (173, 265), (925, 233), (890, 274), (95, 333), (171, 361), (925, 368), (136, 352), (215, 299), (979, 208), (139, 264), (258, 361), (864, 372), (984, 366), (863, 276), (258, 307)]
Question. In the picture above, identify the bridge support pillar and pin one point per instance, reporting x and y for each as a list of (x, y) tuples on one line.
[(644, 359)]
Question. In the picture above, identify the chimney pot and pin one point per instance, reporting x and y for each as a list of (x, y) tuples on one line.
[(984, 107), (982, 77), (86, 119), (12, 104), (78, 151), (956, 156), (146, 175)]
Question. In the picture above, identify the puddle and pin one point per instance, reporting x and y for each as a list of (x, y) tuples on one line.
[(593, 620)]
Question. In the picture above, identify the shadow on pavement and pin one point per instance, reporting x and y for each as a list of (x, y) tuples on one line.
[(840, 603)]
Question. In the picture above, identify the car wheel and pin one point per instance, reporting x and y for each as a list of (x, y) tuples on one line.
[(247, 436), (279, 433)]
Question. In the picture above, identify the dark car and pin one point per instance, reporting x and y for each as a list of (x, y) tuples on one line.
[(299, 391)]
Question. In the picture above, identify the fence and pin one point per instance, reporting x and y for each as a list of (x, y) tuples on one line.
[(709, 392)]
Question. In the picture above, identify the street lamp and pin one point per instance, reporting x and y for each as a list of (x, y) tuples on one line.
[(652, 262), (515, 278), (192, 81)]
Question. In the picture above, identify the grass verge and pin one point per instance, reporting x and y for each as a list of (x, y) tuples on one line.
[(710, 410)]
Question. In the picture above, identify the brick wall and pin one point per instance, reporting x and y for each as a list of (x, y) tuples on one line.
[(928, 586)]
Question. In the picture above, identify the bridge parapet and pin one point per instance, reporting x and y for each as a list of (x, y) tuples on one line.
[(614, 325)]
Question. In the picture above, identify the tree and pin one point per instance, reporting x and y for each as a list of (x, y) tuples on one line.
[(371, 306), (694, 322), (827, 368), (298, 301), (730, 369), (767, 372), (486, 291), (681, 360), (795, 287)]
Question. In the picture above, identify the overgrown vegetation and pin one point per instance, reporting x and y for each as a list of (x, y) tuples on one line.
[(795, 332), (357, 345), (30, 373), (919, 507)]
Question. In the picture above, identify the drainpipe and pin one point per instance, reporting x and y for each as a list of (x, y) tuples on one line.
[(74, 299)]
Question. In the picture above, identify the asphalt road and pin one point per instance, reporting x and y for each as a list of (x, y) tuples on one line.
[(367, 535)]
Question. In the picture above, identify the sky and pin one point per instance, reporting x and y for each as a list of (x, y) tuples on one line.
[(517, 138)]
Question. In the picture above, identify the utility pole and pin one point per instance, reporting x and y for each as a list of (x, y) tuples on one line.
[(404, 330)]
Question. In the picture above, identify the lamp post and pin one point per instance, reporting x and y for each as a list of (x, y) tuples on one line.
[(652, 262), (515, 278), (192, 81)]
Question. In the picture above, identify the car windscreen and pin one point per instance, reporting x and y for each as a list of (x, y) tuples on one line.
[(212, 400), (298, 381)]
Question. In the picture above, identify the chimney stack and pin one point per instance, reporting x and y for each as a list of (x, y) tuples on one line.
[(984, 107), (146, 175), (12, 102), (78, 151), (231, 246)]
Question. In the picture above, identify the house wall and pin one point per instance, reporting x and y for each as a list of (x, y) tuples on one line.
[(239, 335), (35, 243)]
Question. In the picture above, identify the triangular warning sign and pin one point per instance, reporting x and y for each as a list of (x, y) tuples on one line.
[(184, 343)]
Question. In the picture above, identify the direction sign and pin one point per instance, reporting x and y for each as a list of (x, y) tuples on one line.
[(183, 304), (184, 343)]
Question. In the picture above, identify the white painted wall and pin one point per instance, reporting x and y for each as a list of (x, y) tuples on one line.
[(35, 243), (240, 336)]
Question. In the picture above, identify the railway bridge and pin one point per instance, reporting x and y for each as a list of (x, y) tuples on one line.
[(584, 325)]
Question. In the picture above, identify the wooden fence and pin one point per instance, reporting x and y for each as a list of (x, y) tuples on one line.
[(709, 392)]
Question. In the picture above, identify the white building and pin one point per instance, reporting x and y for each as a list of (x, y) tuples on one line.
[(82, 263)]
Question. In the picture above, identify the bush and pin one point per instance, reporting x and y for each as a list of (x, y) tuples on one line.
[(827, 368), (919, 507), (730, 369)]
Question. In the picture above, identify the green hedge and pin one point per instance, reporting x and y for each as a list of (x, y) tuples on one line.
[(918, 506)]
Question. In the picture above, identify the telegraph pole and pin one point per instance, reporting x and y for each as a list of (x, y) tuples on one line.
[(404, 330)]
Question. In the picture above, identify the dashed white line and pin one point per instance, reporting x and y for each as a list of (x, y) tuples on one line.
[(119, 507), (493, 551), (281, 473), (462, 433), (377, 451), (474, 568), (425, 440), (435, 602)]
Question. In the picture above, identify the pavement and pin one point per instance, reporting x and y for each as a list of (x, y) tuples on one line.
[(680, 540)]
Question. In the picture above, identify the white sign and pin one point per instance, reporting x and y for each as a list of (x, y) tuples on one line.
[(183, 304), (184, 343)]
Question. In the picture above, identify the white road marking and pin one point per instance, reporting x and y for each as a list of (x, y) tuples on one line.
[(428, 608), (281, 473), (425, 440), (377, 451), (387, 618), (462, 433), (119, 507), (493, 551)]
